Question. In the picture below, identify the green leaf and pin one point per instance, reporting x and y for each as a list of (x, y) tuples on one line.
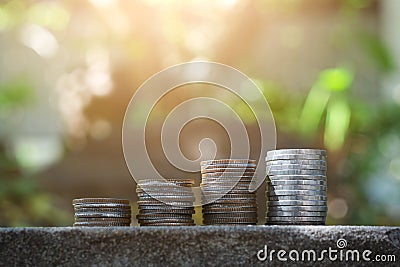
[(336, 79), (15, 93), (337, 123), (313, 110), (377, 51)]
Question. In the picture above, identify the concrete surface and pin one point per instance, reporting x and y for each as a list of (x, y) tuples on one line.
[(194, 246)]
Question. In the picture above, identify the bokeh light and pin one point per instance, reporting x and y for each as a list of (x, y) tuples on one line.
[(329, 70)]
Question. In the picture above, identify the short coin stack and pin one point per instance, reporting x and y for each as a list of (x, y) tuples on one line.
[(102, 212), (165, 202), (296, 187), (227, 199)]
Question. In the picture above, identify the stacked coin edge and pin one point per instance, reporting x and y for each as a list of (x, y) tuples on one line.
[(167, 202), (226, 195), (101, 212), (296, 187)]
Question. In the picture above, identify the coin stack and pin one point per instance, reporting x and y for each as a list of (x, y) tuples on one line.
[(226, 195), (296, 187), (165, 203), (102, 212)]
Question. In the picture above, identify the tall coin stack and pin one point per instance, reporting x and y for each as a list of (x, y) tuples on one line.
[(296, 187), (164, 203), (102, 212), (225, 192)]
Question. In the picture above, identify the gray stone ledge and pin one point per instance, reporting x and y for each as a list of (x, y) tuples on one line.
[(187, 246)]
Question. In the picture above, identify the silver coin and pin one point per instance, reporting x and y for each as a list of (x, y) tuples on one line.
[(165, 191), (163, 207), (91, 209), (297, 151), (169, 203), (297, 208), (84, 201), (229, 205), (166, 197), (296, 182), (240, 201), (225, 188), (230, 223), (225, 170), (160, 186), (167, 224), (296, 161), (229, 215), (165, 182), (100, 224), (162, 221), (223, 182), (295, 223), (217, 181), (174, 218), (228, 200), (295, 167), (103, 219), (226, 180), (102, 215), (165, 219), (228, 166), (229, 210), (164, 188), (295, 219), (274, 192), (296, 187), (100, 207), (221, 161), (155, 209), (228, 175), (161, 216), (220, 190), (296, 172), (230, 220), (160, 196), (272, 203), (235, 195), (166, 211), (296, 177), (296, 213), (297, 197), (295, 156)]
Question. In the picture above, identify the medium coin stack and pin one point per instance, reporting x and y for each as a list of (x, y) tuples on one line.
[(226, 192), (296, 187), (164, 203), (102, 212)]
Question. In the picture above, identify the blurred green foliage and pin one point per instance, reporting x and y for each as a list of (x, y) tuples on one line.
[(328, 94), (22, 203), (357, 134), (15, 93)]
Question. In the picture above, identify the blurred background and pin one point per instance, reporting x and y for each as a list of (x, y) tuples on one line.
[(329, 69)]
